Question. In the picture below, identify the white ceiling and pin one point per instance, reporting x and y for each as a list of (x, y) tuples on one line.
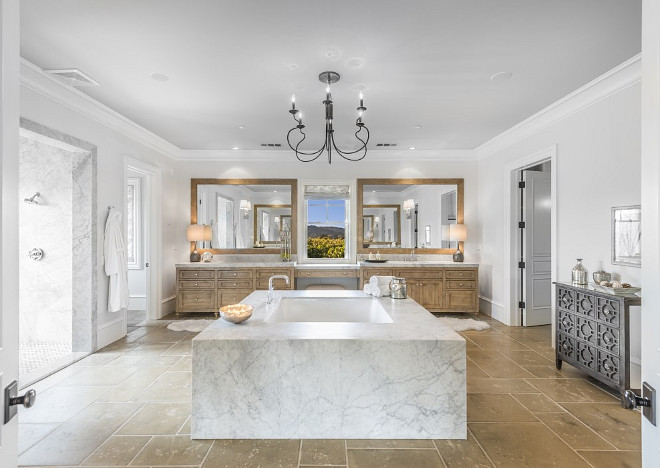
[(421, 62)]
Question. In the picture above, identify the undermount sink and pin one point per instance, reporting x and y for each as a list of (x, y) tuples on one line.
[(329, 309)]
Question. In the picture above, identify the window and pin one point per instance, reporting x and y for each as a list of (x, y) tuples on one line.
[(327, 227), (133, 244)]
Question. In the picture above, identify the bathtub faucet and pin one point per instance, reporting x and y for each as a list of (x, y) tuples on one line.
[(270, 286)]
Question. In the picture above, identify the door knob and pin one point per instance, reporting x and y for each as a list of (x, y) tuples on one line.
[(12, 400), (630, 400)]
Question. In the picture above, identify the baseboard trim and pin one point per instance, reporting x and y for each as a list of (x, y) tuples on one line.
[(170, 298), (110, 332), (493, 309)]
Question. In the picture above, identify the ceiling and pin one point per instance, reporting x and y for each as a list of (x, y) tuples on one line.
[(421, 63)]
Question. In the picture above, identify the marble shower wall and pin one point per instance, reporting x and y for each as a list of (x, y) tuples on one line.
[(55, 293)]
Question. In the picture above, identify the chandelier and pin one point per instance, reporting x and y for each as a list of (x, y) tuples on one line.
[(328, 77)]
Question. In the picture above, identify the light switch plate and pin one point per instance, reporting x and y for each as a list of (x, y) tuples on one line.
[(649, 411)]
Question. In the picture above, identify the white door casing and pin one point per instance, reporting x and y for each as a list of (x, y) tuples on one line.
[(537, 283), (651, 219), (9, 121)]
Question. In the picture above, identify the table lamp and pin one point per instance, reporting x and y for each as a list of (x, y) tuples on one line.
[(196, 232), (458, 233)]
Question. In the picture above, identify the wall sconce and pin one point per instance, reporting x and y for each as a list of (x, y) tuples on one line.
[(409, 207), (195, 233), (458, 233), (246, 207), (276, 220), (376, 220)]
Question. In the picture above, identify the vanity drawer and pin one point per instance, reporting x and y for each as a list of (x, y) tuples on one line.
[(410, 273), (458, 284), (197, 274), (457, 300), (267, 273), (235, 274), (460, 274), (199, 284), (235, 284), (326, 273), (232, 297), (277, 284), (202, 300)]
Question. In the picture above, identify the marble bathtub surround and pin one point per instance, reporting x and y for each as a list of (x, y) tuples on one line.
[(329, 380)]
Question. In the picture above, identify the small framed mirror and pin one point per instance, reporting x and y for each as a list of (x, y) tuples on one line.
[(627, 235), (269, 221)]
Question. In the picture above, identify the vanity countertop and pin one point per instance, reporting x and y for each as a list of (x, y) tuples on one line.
[(274, 264), (419, 264), (329, 266)]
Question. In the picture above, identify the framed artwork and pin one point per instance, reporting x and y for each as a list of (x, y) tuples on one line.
[(627, 235)]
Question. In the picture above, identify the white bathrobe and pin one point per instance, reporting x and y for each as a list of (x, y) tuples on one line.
[(116, 266)]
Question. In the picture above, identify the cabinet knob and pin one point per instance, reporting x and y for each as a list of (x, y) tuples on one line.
[(196, 299), (234, 274), (607, 366), (308, 273), (461, 284), (195, 284), (234, 284)]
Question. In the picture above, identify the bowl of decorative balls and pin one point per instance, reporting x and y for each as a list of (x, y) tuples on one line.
[(617, 288)]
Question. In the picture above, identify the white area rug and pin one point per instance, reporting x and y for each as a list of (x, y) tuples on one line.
[(457, 324), (190, 325)]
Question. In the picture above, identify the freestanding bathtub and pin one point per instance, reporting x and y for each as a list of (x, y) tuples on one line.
[(332, 364)]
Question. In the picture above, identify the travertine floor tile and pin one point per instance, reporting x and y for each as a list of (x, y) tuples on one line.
[(544, 372), (76, 439), (496, 342), (496, 408), (620, 427), (158, 361), (474, 371), (135, 384), (30, 434), (103, 376), (499, 386), (183, 364), (162, 336), (389, 443), (497, 365), (573, 432), (157, 418), (463, 453), (538, 403), (323, 452), (117, 451), (571, 390), (389, 458), (172, 450), (97, 359), (185, 429), (622, 459), (527, 358), (124, 361), (149, 349), (253, 453), (171, 386), (59, 404), (183, 348), (524, 445)]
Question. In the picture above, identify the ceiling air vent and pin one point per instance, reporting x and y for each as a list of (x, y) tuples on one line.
[(272, 145), (385, 144), (73, 77)]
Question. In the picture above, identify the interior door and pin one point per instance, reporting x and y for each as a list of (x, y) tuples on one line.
[(9, 118), (536, 285)]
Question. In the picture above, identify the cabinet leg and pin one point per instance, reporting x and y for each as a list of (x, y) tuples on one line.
[(216, 314), (558, 363)]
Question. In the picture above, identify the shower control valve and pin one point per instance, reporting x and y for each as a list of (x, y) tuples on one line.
[(36, 254)]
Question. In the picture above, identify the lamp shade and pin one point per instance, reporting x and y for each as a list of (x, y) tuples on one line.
[(246, 205), (457, 232), (208, 234), (409, 204), (195, 232)]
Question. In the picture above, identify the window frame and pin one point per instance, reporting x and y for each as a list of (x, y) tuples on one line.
[(136, 183)]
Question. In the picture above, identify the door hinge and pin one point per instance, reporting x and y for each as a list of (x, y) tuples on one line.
[(521, 264), (521, 184), (521, 224), (521, 305)]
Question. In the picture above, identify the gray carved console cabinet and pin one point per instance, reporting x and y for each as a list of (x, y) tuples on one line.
[(593, 330)]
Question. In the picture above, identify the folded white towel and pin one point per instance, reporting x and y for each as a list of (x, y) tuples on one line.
[(380, 285), (367, 289)]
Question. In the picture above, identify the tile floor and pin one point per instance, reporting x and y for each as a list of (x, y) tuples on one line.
[(129, 405)]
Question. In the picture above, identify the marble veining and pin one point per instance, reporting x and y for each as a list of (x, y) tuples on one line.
[(399, 380)]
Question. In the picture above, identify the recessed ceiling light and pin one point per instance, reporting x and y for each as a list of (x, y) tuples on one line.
[(274, 191), (159, 77), (293, 66), (331, 53), (417, 127), (235, 148), (355, 63), (241, 127), (501, 76), (411, 148)]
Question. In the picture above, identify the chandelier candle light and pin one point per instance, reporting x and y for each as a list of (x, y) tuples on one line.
[(328, 77)]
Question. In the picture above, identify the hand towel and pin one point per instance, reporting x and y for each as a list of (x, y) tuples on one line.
[(367, 289), (380, 285)]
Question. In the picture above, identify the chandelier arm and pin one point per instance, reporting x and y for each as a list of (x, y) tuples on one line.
[(288, 140), (343, 154)]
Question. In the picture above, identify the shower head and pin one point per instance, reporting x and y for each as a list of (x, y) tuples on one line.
[(32, 200)]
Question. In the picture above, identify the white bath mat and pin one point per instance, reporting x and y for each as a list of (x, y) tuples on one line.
[(190, 325), (458, 324)]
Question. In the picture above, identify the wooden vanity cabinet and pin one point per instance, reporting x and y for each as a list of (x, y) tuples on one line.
[(424, 286), (195, 290), (263, 274)]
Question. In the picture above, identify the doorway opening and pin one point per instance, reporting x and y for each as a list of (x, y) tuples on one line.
[(57, 241)]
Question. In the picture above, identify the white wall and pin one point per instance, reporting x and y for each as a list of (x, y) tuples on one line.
[(286, 167), (112, 146), (598, 167)]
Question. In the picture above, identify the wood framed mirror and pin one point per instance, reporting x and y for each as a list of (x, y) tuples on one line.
[(233, 208), (420, 213), (385, 225)]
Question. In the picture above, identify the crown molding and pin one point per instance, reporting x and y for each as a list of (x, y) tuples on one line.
[(289, 156), (35, 79), (617, 79)]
